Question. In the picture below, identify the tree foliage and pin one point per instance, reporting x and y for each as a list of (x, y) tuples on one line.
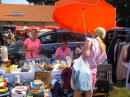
[(42, 2), (123, 12)]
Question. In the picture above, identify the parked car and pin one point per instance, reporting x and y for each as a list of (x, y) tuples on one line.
[(51, 41), (7, 27)]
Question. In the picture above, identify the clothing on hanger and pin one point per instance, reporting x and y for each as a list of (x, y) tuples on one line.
[(127, 65), (114, 51), (121, 69), (129, 78)]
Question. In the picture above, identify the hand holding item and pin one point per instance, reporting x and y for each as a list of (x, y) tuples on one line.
[(59, 56), (38, 51), (78, 50), (71, 57), (30, 50), (68, 60)]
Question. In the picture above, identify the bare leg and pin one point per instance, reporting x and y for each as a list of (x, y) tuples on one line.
[(88, 94), (77, 94)]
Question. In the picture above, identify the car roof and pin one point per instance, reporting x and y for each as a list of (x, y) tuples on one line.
[(122, 29), (58, 31)]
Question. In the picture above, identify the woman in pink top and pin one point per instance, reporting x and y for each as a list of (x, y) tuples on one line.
[(32, 45), (63, 51), (94, 51)]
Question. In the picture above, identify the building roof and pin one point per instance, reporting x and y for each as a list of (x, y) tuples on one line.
[(33, 13)]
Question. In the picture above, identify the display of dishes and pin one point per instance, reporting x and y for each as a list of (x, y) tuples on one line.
[(8, 70), (62, 66), (48, 67)]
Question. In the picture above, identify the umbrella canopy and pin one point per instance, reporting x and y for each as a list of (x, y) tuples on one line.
[(19, 27), (45, 30), (84, 15), (33, 27), (117, 28), (52, 27), (25, 27), (42, 27)]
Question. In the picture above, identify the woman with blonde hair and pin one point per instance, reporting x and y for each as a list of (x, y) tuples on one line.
[(94, 51)]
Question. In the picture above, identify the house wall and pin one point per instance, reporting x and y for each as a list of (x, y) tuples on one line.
[(27, 23)]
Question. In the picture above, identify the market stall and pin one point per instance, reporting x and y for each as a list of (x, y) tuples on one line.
[(43, 76), (54, 72), (24, 76)]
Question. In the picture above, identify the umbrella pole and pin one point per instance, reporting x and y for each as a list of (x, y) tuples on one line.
[(84, 22)]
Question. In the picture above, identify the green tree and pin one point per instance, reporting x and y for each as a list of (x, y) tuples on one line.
[(123, 12), (0, 1), (42, 2)]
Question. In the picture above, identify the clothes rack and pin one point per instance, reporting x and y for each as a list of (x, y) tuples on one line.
[(116, 39), (113, 39)]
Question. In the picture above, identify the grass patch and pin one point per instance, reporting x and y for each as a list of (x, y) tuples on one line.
[(122, 90)]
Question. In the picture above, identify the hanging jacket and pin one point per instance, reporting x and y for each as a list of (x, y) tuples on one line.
[(129, 78)]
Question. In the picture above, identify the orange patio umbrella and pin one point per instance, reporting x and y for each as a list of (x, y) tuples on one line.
[(42, 27), (19, 27), (27, 29), (82, 16), (53, 27), (117, 28), (50, 27), (33, 27)]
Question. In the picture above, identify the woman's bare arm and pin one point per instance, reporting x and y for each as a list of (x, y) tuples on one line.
[(87, 47), (25, 48)]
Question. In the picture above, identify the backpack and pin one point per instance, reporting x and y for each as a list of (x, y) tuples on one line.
[(66, 78)]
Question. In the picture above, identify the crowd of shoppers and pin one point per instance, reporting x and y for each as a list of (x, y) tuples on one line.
[(9, 38)]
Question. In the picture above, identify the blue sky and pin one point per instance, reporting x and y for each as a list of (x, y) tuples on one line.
[(14, 1)]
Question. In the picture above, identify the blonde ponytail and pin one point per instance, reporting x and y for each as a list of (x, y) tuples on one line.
[(99, 34), (101, 43)]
